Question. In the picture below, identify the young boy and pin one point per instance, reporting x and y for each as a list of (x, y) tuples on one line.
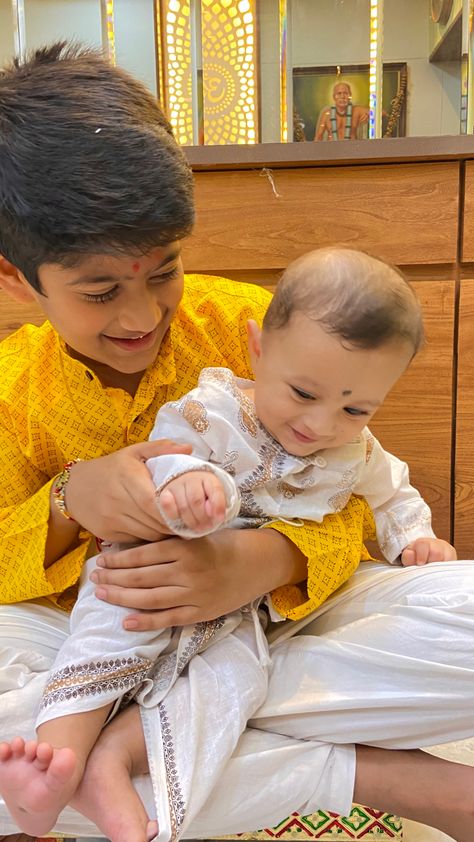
[(339, 332), (93, 196)]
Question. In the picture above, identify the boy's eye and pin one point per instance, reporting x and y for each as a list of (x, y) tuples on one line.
[(101, 297), (302, 394), (351, 410), (166, 276)]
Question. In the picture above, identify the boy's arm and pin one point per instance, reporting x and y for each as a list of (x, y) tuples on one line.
[(24, 527), (41, 552), (185, 582)]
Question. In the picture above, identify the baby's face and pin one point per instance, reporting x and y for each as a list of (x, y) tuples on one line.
[(312, 392)]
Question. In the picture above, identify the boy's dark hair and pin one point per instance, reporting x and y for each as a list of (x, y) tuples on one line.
[(88, 163), (361, 299)]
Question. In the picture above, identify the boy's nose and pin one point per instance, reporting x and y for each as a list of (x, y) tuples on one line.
[(141, 316)]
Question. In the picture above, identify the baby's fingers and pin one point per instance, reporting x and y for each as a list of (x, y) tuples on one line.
[(215, 499), (169, 504), (418, 552), (408, 557)]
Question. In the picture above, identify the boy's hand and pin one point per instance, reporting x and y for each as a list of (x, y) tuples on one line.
[(113, 497), (197, 498), (176, 582), (426, 550)]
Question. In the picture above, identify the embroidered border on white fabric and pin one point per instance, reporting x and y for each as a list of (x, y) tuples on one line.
[(95, 678), (176, 800)]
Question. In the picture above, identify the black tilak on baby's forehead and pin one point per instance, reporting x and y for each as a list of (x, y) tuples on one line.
[(346, 392)]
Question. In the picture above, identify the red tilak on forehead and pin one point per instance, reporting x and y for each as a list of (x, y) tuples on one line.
[(136, 266)]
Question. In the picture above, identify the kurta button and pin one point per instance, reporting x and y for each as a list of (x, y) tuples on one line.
[(320, 462)]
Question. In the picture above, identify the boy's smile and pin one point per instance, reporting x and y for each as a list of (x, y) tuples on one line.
[(112, 311)]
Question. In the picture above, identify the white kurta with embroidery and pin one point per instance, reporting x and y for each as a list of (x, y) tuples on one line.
[(218, 419), (199, 685)]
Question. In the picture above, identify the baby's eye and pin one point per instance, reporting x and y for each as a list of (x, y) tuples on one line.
[(302, 394), (352, 410)]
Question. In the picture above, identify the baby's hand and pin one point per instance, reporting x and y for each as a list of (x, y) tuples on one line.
[(197, 498), (427, 550)]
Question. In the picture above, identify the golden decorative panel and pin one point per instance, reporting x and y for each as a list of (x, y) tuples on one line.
[(177, 70), (229, 45)]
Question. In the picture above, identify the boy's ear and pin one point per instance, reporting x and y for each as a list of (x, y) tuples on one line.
[(14, 283), (254, 335)]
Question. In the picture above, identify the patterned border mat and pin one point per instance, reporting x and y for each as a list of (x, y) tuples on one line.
[(363, 823)]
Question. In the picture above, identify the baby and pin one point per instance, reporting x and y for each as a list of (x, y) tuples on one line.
[(292, 444)]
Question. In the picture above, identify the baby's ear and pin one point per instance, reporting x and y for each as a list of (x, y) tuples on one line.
[(254, 335), (14, 283)]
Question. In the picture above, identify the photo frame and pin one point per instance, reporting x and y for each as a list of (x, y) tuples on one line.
[(313, 93)]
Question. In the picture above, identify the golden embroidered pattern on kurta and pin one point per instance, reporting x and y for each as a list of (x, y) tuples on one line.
[(95, 678), (345, 489), (195, 414), (370, 442), (289, 491)]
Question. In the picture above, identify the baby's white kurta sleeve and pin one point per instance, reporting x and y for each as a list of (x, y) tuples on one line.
[(170, 423), (401, 515)]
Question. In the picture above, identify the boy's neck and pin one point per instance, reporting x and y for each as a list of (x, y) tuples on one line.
[(110, 377)]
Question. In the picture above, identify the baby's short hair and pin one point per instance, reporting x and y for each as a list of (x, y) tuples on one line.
[(88, 162), (358, 298)]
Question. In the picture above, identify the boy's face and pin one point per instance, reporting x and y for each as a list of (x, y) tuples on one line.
[(311, 392), (112, 310)]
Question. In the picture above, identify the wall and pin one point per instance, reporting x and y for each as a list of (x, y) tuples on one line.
[(330, 32), (50, 20), (6, 30), (135, 39), (436, 30)]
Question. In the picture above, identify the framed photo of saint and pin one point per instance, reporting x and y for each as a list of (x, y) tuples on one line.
[(332, 103)]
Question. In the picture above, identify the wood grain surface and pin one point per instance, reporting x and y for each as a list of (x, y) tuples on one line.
[(254, 220), (464, 458), (468, 219), (415, 423), (14, 315)]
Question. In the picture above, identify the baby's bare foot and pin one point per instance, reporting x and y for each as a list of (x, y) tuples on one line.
[(114, 806), (36, 781)]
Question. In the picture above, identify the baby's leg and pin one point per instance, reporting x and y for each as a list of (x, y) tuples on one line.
[(39, 777), (95, 666), (119, 754)]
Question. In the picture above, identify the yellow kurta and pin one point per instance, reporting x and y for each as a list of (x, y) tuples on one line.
[(53, 409)]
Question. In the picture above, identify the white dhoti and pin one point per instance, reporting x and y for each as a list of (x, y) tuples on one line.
[(387, 661), (223, 666)]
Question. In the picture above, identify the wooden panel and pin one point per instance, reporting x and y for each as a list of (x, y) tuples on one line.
[(464, 472), (260, 220), (13, 315), (468, 227), (415, 421)]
